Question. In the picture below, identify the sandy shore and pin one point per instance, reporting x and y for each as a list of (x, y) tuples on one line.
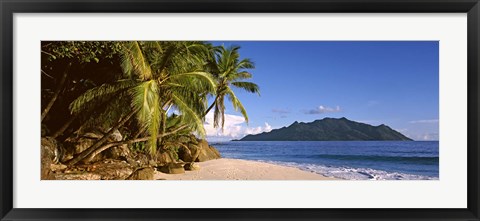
[(234, 169)]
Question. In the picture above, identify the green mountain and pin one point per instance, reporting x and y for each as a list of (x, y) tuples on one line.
[(329, 129)]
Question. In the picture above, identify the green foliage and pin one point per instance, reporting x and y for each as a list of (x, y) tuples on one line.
[(170, 75), (98, 95), (139, 147), (173, 151), (247, 86), (109, 113), (237, 105), (146, 99), (135, 62), (82, 51), (72, 68), (158, 79)]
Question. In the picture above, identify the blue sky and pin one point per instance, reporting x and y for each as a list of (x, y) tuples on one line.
[(382, 82)]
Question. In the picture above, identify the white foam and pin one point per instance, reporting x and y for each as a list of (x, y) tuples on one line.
[(350, 173)]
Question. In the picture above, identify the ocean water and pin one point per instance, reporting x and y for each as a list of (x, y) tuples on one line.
[(352, 160)]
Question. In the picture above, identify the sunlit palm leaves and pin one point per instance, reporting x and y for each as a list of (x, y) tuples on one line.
[(135, 62), (229, 70), (146, 98), (175, 77)]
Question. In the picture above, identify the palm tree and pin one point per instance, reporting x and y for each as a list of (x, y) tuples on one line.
[(230, 71), (158, 77), (176, 80)]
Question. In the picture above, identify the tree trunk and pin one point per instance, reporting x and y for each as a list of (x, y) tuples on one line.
[(164, 125), (62, 129), (113, 144), (211, 106), (102, 140), (57, 92), (139, 132)]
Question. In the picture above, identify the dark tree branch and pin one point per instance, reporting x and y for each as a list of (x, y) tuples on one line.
[(57, 92)]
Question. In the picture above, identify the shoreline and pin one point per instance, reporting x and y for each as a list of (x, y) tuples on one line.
[(238, 169)]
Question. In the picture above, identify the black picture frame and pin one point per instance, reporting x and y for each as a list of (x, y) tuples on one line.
[(9, 7)]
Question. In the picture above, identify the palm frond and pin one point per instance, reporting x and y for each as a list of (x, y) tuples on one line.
[(98, 95), (242, 75), (247, 86), (237, 104), (196, 78), (107, 115), (189, 114), (145, 98), (245, 64), (134, 61)]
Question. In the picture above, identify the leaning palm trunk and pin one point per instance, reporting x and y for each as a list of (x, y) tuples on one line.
[(64, 127), (57, 92), (140, 132), (102, 140), (211, 106), (143, 139)]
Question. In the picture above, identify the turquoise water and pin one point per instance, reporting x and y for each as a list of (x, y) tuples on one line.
[(353, 160)]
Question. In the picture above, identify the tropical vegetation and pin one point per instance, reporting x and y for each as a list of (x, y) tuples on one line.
[(155, 92)]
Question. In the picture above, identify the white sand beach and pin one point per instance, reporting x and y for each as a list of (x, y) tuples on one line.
[(235, 169)]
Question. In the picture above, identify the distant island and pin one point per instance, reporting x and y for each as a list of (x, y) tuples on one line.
[(329, 129)]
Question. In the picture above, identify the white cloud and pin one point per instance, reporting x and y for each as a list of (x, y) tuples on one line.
[(424, 121), (235, 127), (425, 137), (323, 109), (259, 129), (367, 121), (431, 136)]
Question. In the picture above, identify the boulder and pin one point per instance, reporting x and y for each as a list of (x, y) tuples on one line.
[(141, 159), (118, 152), (189, 153), (116, 136), (44, 130), (191, 166), (68, 153), (142, 174), (215, 151), (80, 143), (97, 134), (195, 150), (133, 162), (104, 170), (51, 148), (173, 168), (57, 167), (78, 176), (184, 154), (164, 157), (47, 151), (206, 152), (112, 169)]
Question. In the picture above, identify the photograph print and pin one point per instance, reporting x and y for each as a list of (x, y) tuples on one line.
[(239, 110)]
